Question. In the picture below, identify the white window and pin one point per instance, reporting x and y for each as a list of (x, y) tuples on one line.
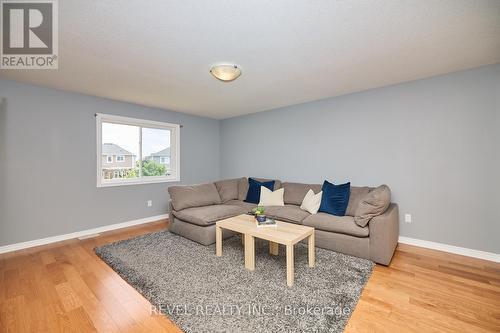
[(163, 160), (139, 139)]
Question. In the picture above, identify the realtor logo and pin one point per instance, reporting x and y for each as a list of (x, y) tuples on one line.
[(29, 34)]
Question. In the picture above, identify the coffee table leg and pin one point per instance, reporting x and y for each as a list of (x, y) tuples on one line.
[(312, 251), (289, 265), (273, 248), (218, 241), (249, 252)]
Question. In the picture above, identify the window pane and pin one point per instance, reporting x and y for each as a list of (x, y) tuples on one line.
[(156, 152), (120, 151)]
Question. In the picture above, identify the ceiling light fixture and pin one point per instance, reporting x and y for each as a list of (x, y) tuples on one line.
[(226, 73)]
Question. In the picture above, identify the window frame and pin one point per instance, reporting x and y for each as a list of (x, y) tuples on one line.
[(141, 123), (120, 158), (107, 159)]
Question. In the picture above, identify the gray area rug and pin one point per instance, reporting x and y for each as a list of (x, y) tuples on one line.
[(204, 293)]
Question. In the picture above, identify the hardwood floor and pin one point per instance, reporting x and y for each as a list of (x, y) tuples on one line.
[(65, 287), (430, 291)]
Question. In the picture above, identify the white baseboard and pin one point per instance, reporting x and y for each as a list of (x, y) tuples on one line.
[(451, 249), (77, 234), (405, 240)]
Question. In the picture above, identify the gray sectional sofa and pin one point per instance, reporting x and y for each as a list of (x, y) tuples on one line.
[(194, 210)]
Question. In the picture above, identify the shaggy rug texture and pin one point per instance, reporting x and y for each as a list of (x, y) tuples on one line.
[(201, 292)]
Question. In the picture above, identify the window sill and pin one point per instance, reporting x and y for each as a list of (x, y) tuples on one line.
[(154, 180)]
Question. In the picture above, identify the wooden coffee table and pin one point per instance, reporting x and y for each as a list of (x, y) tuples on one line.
[(287, 234)]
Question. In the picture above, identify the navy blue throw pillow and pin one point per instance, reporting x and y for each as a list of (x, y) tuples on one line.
[(253, 194), (335, 198)]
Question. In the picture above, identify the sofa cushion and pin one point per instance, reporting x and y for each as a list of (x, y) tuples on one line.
[(242, 188), (374, 203), (208, 215), (286, 213), (254, 186), (357, 194), (245, 205), (228, 189), (295, 192), (277, 182), (193, 196), (337, 224), (335, 198)]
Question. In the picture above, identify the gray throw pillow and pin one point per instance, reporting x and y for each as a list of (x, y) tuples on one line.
[(357, 194), (296, 192), (277, 182), (193, 196), (373, 204), (228, 189), (242, 188)]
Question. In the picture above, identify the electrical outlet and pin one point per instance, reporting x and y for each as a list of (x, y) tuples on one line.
[(150, 203), (408, 218)]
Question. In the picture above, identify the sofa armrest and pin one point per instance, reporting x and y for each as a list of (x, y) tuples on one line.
[(384, 235), (170, 212)]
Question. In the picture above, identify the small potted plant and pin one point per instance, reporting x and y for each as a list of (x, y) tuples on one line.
[(260, 214)]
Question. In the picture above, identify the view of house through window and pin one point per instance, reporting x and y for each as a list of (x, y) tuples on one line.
[(132, 153), (119, 140), (156, 152)]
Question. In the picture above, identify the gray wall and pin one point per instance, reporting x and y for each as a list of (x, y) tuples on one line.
[(435, 142), (48, 163)]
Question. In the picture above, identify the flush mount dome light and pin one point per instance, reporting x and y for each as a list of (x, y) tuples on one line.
[(225, 73)]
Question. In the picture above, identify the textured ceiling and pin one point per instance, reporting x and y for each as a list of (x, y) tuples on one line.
[(158, 53)]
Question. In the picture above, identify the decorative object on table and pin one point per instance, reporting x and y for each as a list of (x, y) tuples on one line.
[(268, 222), (260, 214), (261, 220)]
